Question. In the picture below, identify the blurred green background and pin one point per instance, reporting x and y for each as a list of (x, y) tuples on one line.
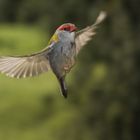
[(104, 93)]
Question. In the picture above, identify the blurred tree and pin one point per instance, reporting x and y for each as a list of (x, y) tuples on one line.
[(113, 99)]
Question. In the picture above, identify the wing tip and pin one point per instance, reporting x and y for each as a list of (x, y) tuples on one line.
[(101, 17)]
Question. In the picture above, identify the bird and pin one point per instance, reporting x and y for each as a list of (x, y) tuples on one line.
[(59, 55)]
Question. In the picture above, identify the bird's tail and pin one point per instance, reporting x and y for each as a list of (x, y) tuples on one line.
[(63, 87)]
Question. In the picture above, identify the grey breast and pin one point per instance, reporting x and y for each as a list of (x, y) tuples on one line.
[(63, 54)]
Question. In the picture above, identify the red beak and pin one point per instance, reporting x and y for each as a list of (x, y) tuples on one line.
[(73, 29)]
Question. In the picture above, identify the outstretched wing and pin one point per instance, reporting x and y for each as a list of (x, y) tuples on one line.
[(25, 66), (85, 35)]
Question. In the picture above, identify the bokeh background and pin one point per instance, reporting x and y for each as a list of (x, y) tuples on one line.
[(104, 92)]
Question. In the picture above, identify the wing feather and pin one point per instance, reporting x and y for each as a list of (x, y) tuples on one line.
[(25, 66), (85, 35)]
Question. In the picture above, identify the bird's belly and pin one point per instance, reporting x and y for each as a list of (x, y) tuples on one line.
[(63, 61), (68, 63), (67, 58)]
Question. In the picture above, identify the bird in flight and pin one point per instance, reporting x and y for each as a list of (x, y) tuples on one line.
[(59, 56)]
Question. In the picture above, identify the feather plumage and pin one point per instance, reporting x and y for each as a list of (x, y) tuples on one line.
[(24, 66), (85, 35)]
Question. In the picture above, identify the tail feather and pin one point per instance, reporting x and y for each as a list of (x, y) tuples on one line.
[(63, 87)]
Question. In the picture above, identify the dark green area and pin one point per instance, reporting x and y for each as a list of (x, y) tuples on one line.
[(104, 93)]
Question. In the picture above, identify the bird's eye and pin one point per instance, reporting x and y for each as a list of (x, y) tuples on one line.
[(65, 29)]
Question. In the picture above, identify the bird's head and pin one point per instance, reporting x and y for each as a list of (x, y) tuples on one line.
[(66, 30), (68, 27)]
